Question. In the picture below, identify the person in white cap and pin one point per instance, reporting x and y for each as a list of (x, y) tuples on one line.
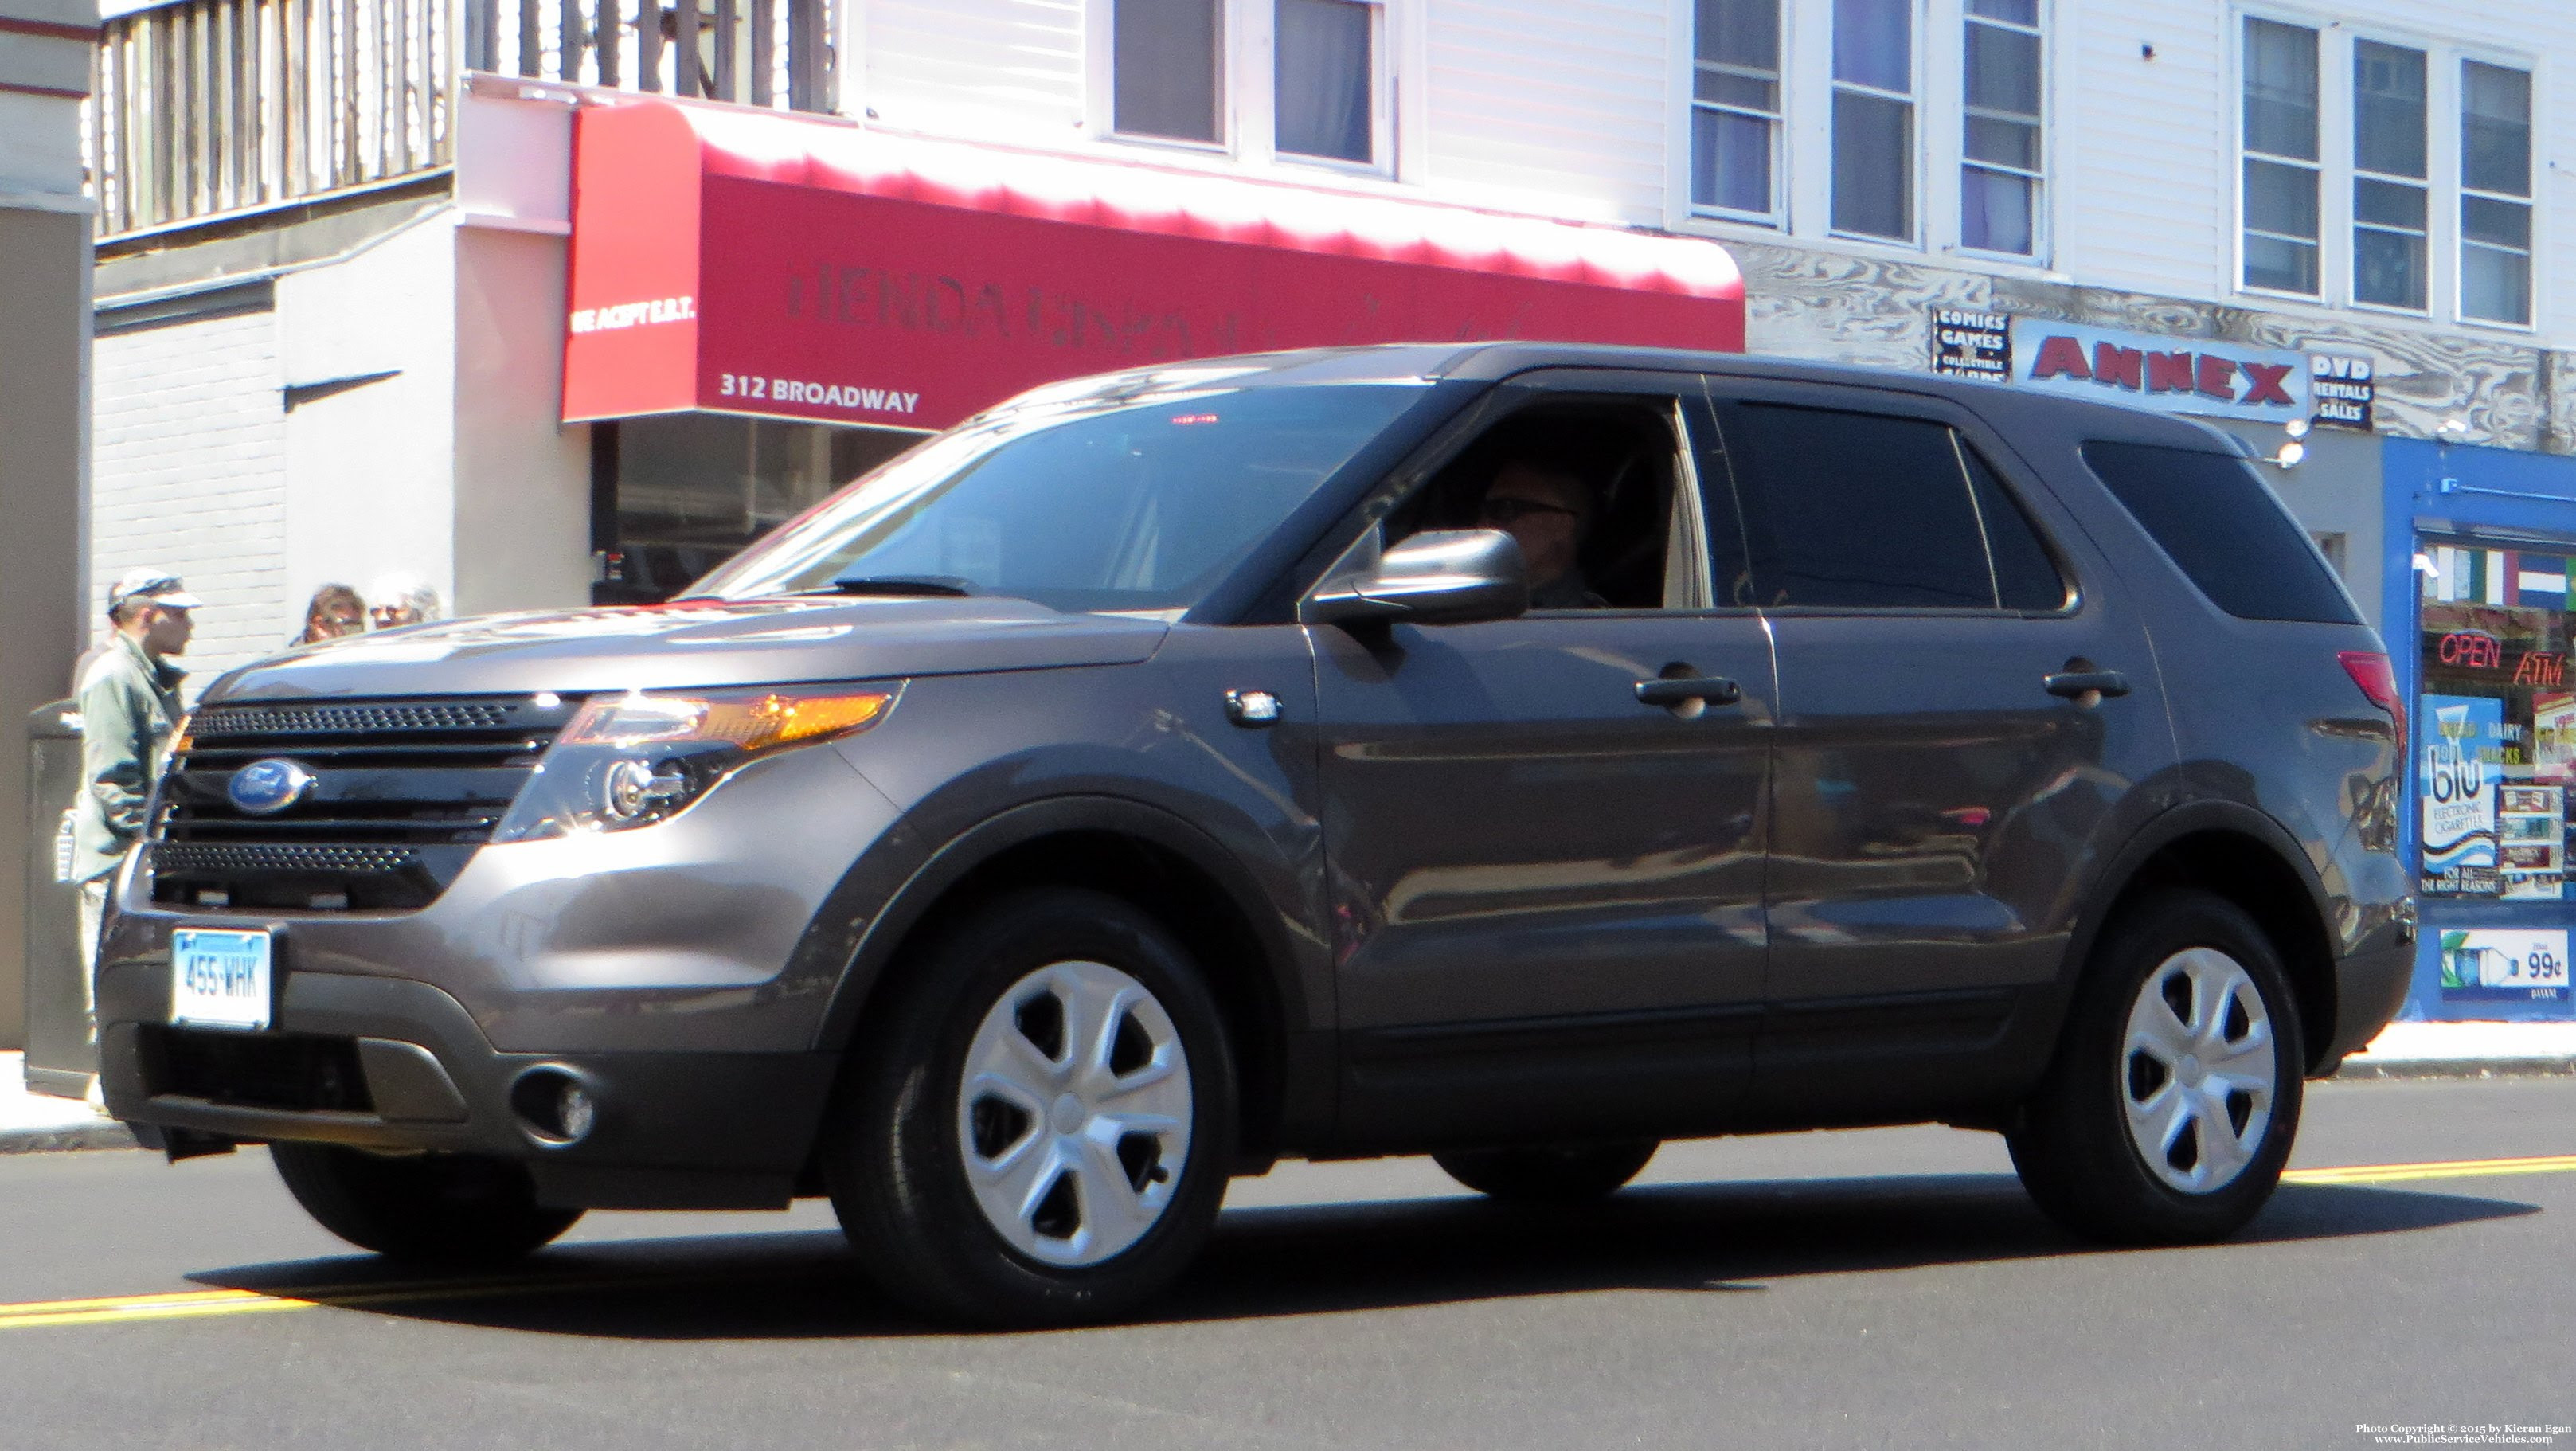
[(129, 703), (403, 599)]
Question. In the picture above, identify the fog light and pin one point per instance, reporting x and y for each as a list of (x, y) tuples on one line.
[(574, 1112), (554, 1106)]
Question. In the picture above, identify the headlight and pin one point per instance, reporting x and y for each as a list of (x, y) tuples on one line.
[(635, 759)]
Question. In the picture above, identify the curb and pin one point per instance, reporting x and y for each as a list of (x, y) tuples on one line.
[(105, 1134), (2361, 1068)]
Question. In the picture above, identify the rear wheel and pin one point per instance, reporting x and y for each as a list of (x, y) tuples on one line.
[(1555, 1173), (2175, 1094), (1039, 1129), (457, 1209)]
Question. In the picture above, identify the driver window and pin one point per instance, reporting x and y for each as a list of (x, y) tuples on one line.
[(1598, 492)]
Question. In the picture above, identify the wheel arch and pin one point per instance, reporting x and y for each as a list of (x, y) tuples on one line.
[(1141, 854), (2244, 857)]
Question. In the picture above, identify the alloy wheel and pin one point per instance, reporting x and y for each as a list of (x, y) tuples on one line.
[(2198, 1074), (1074, 1113)]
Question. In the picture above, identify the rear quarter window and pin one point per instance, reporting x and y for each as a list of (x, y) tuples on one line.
[(2214, 517)]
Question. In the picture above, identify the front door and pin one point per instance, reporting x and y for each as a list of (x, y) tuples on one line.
[(1547, 893), (1942, 778)]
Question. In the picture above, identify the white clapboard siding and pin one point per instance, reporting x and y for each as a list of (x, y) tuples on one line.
[(1007, 68), (1549, 106), (188, 474), (2143, 160)]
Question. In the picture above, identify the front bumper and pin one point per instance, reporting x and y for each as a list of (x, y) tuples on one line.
[(653, 965), (674, 1129)]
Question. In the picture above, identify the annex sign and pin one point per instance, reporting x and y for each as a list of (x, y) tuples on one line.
[(2168, 374)]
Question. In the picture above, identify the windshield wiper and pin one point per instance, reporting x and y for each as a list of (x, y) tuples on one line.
[(904, 584)]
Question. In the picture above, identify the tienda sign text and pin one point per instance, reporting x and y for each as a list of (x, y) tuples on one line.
[(2168, 374)]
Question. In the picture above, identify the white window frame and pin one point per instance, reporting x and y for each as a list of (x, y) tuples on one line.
[(1918, 147), (2443, 97), (1247, 112), (2455, 61), (1777, 217), (2329, 204), (2041, 191), (1382, 93), (1803, 158), (2350, 183)]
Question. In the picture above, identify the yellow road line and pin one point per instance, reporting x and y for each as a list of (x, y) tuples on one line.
[(2446, 1169), (196, 1304)]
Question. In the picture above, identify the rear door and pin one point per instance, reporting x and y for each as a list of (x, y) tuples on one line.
[(1965, 706)]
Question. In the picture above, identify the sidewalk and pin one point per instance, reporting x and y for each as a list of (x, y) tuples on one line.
[(2466, 1050), (32, 1121)]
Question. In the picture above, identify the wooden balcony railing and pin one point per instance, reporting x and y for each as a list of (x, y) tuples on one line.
[(204, 108)]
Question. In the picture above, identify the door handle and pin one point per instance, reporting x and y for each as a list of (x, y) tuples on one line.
[(2076, 684), (1713, 689)]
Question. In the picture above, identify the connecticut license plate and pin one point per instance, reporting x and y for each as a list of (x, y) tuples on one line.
[(220, 979)]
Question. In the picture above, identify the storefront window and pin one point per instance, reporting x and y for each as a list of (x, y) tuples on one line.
[(2497, 720), (694, 489)]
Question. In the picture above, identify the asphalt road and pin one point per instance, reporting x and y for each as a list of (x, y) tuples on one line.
[(1882, 1289)]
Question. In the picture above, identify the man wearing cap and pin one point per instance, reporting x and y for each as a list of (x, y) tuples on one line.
[(129, 702)]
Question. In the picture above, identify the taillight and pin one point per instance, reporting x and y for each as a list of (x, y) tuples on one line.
[(2378, 680)]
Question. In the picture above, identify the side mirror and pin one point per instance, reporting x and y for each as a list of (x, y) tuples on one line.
[(1446, 577)]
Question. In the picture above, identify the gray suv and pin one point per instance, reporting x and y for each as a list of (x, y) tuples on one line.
[(1520, 754)]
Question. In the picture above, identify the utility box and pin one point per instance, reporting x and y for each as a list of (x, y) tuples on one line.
[(61, 1058)]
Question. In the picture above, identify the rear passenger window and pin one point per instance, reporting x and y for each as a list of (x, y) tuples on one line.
[(1847, 510), (2025, 578), (2212, 514)]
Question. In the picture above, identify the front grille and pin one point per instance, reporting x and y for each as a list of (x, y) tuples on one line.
[(233, 856), (313, 720), (299, 1072), (403, 792)]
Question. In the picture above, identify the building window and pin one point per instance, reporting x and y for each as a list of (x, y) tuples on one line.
[(1873, 171), (2496, 722), (2495, 193), (2281, 159), (1999, 172), (1325, 78), (2390, 211), (1735, 107), (1166, 62)]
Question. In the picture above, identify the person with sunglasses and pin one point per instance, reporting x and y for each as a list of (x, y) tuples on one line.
[(1548, 508)]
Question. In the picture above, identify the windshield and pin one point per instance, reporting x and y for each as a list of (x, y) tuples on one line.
[(1098, 501)]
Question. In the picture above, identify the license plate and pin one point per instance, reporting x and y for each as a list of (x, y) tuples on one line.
[(220, 979)]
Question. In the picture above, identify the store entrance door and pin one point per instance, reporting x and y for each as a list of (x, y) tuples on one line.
[(676, 495)]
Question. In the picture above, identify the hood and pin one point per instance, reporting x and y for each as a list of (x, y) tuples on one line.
[(697, 643)]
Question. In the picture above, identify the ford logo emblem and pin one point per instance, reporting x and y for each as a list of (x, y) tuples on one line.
[(265, 788)]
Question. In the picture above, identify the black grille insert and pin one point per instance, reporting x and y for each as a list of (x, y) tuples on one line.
[(402, 793), (298, 1072)]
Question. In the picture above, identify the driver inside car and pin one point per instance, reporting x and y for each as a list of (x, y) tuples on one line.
[(1549, 509)]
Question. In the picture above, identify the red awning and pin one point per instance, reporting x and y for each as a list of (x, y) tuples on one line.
[(795, 267)]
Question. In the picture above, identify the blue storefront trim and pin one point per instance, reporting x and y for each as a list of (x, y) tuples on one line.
[(2511, 496)]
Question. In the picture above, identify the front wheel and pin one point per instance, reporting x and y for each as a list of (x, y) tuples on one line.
[(1039, 1128), (2175, 1093), (1548, 1173), (449, 1209)]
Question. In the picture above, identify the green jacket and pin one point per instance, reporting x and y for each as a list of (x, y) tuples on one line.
[(128, 702)]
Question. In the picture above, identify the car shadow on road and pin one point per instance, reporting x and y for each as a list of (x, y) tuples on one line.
[(1313, 1259)]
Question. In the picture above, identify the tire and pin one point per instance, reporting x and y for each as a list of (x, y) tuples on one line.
[(990, 1168), (445, 1209), (1550, 1173), (2175, 1094)]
